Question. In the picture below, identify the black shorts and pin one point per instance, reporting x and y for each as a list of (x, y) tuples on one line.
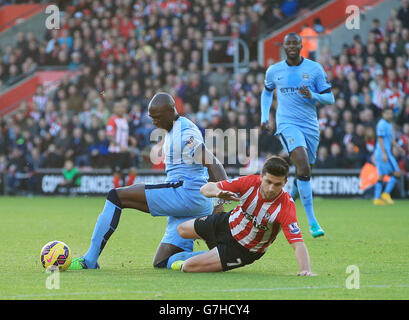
[(215, 230)]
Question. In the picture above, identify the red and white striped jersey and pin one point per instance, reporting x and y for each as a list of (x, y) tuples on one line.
[(118, 128), (256, 222)]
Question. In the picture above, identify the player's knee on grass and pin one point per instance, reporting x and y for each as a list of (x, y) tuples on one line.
[(160, 264), (190, 266), (193, 265), (206, 262), (163, 253)]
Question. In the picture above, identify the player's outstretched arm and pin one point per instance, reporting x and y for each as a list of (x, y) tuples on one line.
[(303, 258), (325, 97), (211, 190)]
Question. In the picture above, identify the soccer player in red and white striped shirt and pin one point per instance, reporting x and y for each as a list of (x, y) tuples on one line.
[(118, 130), (118, 133), (241, 236)]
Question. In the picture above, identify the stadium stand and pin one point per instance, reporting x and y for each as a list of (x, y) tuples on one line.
[(126, 50)]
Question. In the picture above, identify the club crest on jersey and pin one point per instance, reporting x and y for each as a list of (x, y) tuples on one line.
[(190, 141), (294, 229)]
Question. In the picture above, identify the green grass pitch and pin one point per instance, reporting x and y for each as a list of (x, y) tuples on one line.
[(375, 239)]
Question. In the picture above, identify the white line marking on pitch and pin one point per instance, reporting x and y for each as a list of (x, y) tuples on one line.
[(57, 294)]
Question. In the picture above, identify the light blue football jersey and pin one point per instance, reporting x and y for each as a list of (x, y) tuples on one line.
[(179, 147), (292, 108), (384, 129)]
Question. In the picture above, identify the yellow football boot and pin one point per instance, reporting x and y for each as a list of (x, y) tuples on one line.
[(387, 198), (378, 202)]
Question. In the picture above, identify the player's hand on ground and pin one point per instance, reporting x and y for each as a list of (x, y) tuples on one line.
[(228, 195), (306, 273), (305, 92)]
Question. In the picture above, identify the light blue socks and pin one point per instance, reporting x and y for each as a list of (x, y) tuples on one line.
[(378, 190), (106, 224), (391, 184), (305, 191)]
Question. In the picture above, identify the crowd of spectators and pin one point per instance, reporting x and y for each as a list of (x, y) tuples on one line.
[(126, 50), (136, 26)]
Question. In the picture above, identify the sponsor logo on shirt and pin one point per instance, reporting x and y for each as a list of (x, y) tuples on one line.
[(254, 221), (292, 90)]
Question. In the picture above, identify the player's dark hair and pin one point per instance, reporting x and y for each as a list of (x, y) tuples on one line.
[(276, 166), (292, 34)]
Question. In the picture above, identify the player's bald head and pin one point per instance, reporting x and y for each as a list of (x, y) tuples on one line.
[(162, 101), (162, 110), (292, 36)]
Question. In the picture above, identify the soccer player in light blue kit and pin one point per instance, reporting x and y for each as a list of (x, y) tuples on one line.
[(384, 159), (189, 165), (299, 83)]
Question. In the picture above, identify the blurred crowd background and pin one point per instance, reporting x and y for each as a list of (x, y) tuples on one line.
[(124, 51)]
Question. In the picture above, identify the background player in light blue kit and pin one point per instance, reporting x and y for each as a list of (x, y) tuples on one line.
[(189, 165), (299, 83), (384, 159)]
